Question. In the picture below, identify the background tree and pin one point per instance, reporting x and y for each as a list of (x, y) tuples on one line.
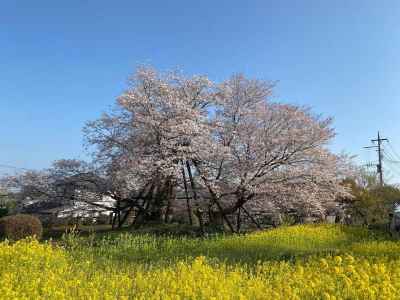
[(371, 204), (67, 183)]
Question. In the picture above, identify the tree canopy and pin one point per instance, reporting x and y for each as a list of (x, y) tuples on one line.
[(184, 143)]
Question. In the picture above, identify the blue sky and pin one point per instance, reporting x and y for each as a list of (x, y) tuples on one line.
[(63, 62)]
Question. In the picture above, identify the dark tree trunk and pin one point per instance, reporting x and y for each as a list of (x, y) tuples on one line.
[(192, 183), (114, 218), (199, 214), (159, 201), (171, 195), (213, 197), (188, 204), (251, 218), (221, 213), (111, 218), (142, 215), (238, 221), (125, 217)]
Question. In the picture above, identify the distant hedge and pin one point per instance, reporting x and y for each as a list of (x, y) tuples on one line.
[(20, 226), (3, 211)]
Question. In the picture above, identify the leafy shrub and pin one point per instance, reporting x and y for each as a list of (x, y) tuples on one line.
[(20, 226), (371, 204), (3, 211), (288, 220)]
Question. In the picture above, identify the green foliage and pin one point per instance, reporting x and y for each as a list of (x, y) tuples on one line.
[(3, 211), (288, 220), (20, 226), (169, 229), (10, 205), (283, 243), (372, 204), (7, 203)]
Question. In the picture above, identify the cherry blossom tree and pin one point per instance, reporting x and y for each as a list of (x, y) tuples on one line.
[(266, 153), (56, 185), (228, 146), (215, 151), (158, 125)]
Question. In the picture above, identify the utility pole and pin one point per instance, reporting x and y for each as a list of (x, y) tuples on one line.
[(379, 167)]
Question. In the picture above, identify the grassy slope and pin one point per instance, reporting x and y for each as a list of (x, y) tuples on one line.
[(284, 243)]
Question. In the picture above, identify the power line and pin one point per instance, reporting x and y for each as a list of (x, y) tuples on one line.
[(396, 171), (389, 156), (12, 167), (394, 152), (393, 168), (379, 168), (392, 163)]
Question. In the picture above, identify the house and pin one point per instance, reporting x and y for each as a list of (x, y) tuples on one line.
[(61, 210)]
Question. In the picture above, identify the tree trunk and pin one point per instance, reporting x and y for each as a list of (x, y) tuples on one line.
[(252, 218), (188, 204), (125, 217), (199, 214), (222, 214), (160, 199), (114, 218), (238, 221), (171, 195)]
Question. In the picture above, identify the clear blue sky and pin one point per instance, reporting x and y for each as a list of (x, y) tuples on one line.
[(63, 62)]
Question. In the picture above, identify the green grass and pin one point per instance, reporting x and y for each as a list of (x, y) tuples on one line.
[(284, 243)]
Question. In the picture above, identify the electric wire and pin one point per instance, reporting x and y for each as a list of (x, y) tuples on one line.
[(389, 156), (391, 164), (394, 152)]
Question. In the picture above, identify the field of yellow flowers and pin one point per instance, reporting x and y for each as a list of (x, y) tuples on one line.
[(299, 262)]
